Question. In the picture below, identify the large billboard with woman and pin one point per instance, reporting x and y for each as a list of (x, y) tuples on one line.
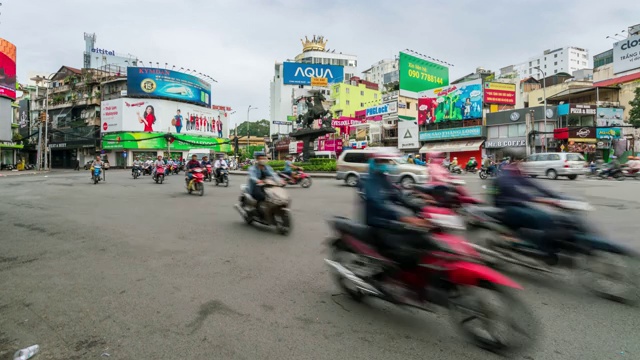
[(154, 115)]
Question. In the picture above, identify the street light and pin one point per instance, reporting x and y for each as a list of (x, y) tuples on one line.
[(248, 110), (544, 94)]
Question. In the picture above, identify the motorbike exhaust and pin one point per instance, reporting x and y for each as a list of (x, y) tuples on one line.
[(508, 259), (240, 210), (360, 284)]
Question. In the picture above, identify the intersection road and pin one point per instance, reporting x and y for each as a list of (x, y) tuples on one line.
[(138, 270)]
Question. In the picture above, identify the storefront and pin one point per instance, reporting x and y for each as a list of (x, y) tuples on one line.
[(282, 148), (605, 138), (65, 154), (507, 131), (582, 140), (121, 148), (449, 141), (8, 153)]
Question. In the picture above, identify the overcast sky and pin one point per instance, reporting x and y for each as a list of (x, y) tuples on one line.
[(237, 41)]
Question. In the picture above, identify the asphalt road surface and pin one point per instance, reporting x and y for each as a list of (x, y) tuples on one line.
[(138, 270)]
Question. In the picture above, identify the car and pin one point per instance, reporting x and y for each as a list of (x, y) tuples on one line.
[(87, 165), (555, 164), (353, 164)]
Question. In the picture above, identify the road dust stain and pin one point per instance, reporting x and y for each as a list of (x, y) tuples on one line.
[(267, 307), (31, 227), (7, 346), (210, 308)]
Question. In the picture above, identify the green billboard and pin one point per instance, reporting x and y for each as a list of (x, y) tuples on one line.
[(417, 74), (158, 141)]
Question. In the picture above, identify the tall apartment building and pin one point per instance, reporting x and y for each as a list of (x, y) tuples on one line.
[(376, 73), (566, 59)]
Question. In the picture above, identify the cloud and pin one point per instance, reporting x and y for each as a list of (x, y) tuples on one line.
[(238, 42)]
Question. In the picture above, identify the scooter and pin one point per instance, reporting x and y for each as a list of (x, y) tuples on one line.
[(455, 169), (611, 173), (223, 178), (631, 173), (274, 210), (303, 178), (208, 174), (175, 169), (95, 175), (159, 176), (136, 172), (196, 183), (448, 274), (472, 169), (147, 170), (605, 264)]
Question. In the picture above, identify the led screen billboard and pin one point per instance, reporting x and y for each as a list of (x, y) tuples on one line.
[(168, 84), (455, 102), (7, 69)]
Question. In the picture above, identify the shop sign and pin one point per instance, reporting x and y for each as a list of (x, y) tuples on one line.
[(457, 133), (603, 144), (608, 133), (506, 142), (579, 109), (582, 133)]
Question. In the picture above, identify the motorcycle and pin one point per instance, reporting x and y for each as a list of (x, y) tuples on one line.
[(631, 173), (471, 169), (136, 172), (175, 169), (147, 170), (607, 272), (223, 178), (274, 210), (159, 176), (196, 183), (95, 175), (449, 275), (303, 179), (484, 173), (614, 174), (455, 169), (208, 174)]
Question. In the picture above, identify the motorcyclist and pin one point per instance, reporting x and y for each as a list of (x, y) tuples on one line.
[(289, 167), (454, 163), (97, 164), (612, 167), (505, 162), (513, 194), (258, 173), (445, 163), (418, 161), (137, 164), (192, 165), (410, 159), (156, 164), (471, 164), (220, 164)]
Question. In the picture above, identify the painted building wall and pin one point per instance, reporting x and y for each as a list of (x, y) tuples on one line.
[(536, 97), (350, 98)]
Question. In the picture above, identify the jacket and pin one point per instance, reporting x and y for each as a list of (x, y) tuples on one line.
[(514, 189), (254, 175), (380, 194)]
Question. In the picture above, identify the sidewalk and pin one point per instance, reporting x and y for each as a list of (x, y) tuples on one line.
[(320, 175), (5, 173)]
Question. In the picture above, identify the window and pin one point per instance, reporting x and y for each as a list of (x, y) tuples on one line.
[(545, 66), (545, 58), (543, 157), (347, 102), (555, 63), (504, 131), (584, 63), (361, 105), (355, 157), (532, 158), (538, 61), (361, 92), (574, 157), (347, 90), (408, 105), (530, 63), (513, 130), (554, 156), (493, 132), (555, 71), (336, 89), (555, 55)]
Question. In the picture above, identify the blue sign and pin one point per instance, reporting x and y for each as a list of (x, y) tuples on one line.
[(382, 109), (301, 74), (457, 133), (167, 84)]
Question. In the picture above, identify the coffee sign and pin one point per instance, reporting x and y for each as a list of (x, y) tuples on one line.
[(503, 143), (579, 109)]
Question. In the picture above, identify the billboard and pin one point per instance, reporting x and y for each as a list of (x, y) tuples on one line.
[(609, 117), (23, 117), (456, 102), (169, 84), (7, 69), (155, 115), (382, 109), (146, 141), (408, 133), (626, 54), (417, 74), (499, 93), (5, 119), (301, 74)]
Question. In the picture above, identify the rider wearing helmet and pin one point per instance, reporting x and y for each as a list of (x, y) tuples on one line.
[(437, 171), (258, 173), (191, 165), (158, 163)]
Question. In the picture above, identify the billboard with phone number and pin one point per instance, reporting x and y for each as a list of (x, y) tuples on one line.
[(7, 69), (168, 84), (417, 74)]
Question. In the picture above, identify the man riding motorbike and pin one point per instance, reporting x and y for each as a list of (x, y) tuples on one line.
[(612, 167), (289, 167), (513, 195), (97, 164), (258, 173), (191, 165), (156, 164), (472, 164), (220, 164), (137, 165)]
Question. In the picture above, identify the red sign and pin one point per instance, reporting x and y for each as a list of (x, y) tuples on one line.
[(7, 69), (220, 107), (499, 93), (105, 126)]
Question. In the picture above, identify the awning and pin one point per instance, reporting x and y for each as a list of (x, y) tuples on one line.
[(12, 146), (451, 146)]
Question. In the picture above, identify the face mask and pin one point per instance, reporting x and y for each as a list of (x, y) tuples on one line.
[(262, 162)]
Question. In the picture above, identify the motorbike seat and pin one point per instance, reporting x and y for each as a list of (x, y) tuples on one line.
[(359, 231), (493, 212)]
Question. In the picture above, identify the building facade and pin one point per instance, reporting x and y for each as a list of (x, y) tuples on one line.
[(380, 72), (353, 96), (561, 60)]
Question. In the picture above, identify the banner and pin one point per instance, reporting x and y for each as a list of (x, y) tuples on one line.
[(153, 115), (149, 141), (408, 132), (457, 133), (417, 74), (454, 102), (169, 84), (301, 73), (626, 54), (7, 69), (499, 93), (609, 117)]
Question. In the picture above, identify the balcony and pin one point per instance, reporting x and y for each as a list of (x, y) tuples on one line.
[(71, 103)]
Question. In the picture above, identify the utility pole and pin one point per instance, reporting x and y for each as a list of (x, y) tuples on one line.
[(248, 123), (46, 131), (544, 95), (39, 159)]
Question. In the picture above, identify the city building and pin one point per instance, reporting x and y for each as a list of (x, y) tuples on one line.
[(292, 79), (353, 96), (561, 60), (381, 72), (105, 59), (8, 148)]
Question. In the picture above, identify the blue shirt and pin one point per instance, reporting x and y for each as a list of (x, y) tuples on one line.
[(287, 165), (514, 189), (255, 174)]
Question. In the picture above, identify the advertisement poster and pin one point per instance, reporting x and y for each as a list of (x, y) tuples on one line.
[(609, 117), (23, 117), (154, 115), (147, 141), (408, 132), (626, 54), (456, 102), (301, 74), (417, 74), (499, 93), (7, 69), (168, 84)]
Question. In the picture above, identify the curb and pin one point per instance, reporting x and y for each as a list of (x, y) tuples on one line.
[(23, 173), (313, 175)]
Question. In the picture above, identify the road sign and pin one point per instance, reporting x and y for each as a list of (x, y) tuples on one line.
[(281, 123)]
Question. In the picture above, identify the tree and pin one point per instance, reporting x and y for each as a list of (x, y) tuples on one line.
[(257, 128), (634, 113)]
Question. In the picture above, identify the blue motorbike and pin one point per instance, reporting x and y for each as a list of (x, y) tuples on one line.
[(95, 177)]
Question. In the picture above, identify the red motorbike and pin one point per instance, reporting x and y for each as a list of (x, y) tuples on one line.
[(303, 179), (449, 274), (196, 183), (159, 176), (208, 176)]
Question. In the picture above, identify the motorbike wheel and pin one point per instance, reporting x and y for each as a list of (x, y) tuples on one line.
[(305, 183), (618, 176), (283, 222), (483, 175), (351, 261), (161, 179), (200, 188), (507, 327), (95, 180), (610, 276), (226, 181)]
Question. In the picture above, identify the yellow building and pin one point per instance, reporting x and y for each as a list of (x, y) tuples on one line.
[(351, 97)]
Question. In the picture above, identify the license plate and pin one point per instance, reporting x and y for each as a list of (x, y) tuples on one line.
[(576, 166)]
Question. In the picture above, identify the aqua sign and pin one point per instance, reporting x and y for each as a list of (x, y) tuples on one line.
[(457, 133)]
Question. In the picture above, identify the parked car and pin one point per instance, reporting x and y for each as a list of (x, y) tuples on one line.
[(353, 164), (87, 165), (555, 164)]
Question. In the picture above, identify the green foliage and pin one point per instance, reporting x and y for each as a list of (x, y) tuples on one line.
[(256, 128), (634, 113), (314, 165)]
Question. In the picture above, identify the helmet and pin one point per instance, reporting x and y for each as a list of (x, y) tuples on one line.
[(258, 154), (631, 157), (379, 162)]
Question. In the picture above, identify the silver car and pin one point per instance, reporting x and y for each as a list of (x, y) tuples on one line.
[(555, 164)]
